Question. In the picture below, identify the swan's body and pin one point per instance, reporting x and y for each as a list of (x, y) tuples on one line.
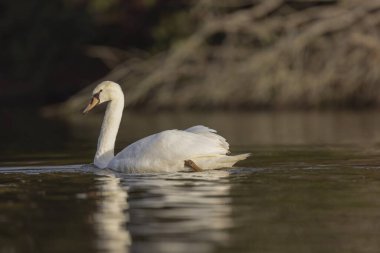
[(166, 151)]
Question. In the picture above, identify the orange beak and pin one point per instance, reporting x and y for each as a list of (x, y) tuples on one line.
[(94, 102)]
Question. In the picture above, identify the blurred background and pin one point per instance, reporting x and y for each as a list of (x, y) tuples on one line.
[(52, 49), (200, 54), (257, 59)]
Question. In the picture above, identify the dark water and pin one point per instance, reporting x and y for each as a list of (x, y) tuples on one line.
[(312, 185)]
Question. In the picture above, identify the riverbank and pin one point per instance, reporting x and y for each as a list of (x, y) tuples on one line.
[(265, 54)]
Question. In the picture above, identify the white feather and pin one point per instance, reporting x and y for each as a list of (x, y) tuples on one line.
[(166, 151)]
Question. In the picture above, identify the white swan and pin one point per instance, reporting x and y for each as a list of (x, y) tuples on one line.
[(196, 148)]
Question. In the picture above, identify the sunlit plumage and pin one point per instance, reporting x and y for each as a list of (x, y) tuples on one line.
[(166, 151)]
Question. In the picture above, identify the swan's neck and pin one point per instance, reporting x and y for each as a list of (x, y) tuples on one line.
[(108, 133)]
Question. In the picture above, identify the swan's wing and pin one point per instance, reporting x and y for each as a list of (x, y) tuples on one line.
[(170, 148), (202, 130)]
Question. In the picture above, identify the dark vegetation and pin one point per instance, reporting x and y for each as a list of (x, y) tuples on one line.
[(52, 49), (200, 54)]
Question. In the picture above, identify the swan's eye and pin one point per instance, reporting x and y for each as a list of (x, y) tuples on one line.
[(100, 91)]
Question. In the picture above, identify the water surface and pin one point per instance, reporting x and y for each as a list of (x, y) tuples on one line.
[(312, 185)]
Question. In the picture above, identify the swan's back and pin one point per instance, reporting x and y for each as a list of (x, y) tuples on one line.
[(167, 151), (211, 133)]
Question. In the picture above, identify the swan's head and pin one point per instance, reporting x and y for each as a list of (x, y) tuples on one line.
[(103, 92)]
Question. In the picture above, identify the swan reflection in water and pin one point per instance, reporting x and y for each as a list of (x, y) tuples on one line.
[(111, 216), (179, 212)]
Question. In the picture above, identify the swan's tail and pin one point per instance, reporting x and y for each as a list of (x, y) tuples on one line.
[(229, 161), (218, 161)]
